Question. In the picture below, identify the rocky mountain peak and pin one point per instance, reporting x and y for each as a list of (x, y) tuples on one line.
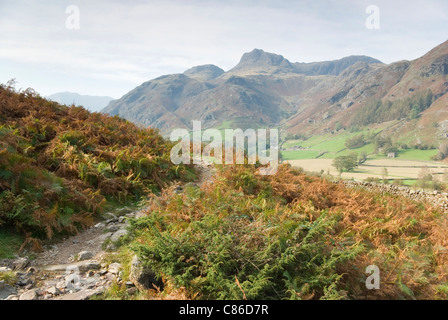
[(260, 58), (204, 72)]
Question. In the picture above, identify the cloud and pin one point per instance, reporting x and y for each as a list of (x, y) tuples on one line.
[(130, 42)]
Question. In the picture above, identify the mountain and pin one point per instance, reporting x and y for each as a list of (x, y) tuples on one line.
[(333, 68), (204, 73), (393, 90), (91, 103), (266, 89), (262, 61)]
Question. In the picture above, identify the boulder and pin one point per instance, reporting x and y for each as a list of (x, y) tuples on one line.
[(112, 228), (20, 263), (114, 268), (85, 255), (109, 216), (104, 236), (53, 290), (143, 277), (6, 290), (29, 295), (118, 235), (82, 266), (85, 294), (100, 225)]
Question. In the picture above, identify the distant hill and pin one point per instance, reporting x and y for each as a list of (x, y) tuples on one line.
[(91, 103), (266, 89)]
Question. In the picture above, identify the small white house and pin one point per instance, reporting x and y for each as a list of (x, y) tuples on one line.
[(391, 155)]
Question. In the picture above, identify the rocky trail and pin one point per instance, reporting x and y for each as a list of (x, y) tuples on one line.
[(74, 269)]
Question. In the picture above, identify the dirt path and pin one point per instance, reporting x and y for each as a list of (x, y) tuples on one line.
[(206, 174), (73, 269)]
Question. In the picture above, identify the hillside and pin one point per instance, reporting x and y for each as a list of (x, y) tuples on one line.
[(61, 166), (393, 85)]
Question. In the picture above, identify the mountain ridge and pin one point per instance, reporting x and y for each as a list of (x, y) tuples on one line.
[(90, 102), (266, 89)]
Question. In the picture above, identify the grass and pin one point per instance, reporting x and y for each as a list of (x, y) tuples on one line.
[(10, 243), (299, 154), (332, 144), (368, 149), (415, 154), (9, 277), (409, 182), (410, 154)]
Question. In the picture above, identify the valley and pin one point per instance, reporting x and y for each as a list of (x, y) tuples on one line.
[(317, 154)]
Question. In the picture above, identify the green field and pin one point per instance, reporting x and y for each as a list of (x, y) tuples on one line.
[(414, 154), (333, 145), (320, 151), (299, 154)]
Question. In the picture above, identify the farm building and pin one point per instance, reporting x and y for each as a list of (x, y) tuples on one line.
[(391, 155)]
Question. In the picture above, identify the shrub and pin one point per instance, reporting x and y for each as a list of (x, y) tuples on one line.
[(290, 236), (355, 142)]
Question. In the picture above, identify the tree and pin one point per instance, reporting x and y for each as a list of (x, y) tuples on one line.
[(414, 112), (355, 142), (385, 173), (443, 152), (362, 157), (424, 178), (381, 141), (437, 184), (346, 163)]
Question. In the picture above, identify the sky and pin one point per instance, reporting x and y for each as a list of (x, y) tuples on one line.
[(108, 47)]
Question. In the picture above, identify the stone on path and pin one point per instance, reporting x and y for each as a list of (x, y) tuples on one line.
[(83, 266), (28, 295), (118, 235), (85, 255), (143, 277), (20, 263), (6, 290), (114, 268), (85, 294)]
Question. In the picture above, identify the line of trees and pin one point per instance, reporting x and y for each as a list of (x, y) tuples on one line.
[(378, 112)]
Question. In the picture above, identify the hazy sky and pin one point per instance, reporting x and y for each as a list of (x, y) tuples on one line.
[(120, 44)]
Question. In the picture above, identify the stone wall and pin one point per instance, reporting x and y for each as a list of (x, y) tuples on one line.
[(436, 198)]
